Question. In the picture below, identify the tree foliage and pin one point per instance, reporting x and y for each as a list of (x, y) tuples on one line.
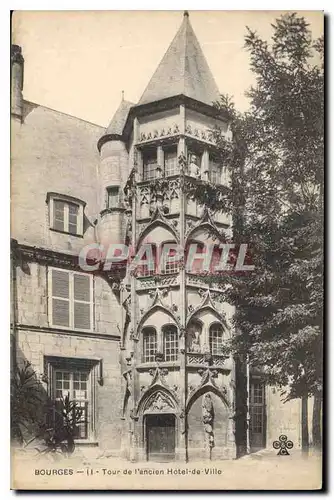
[(276, 162)]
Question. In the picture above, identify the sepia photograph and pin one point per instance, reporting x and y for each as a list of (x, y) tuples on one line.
[(167, 220)]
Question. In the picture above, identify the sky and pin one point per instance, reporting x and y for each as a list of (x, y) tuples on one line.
[(79, 62)]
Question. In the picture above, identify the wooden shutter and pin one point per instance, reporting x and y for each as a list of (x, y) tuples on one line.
[(82, 301), (60, 298)]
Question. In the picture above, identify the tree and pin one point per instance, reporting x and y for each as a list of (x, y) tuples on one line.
[(26, 397), (276, 200)]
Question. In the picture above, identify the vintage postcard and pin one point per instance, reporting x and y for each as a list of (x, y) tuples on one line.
[(167, 187)]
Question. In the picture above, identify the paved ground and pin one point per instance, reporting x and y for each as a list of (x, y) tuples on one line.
[(262, 470)]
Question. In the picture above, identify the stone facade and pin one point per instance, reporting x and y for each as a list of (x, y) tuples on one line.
[(152, 352)]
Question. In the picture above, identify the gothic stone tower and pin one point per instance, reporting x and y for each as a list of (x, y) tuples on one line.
[(178, 386)]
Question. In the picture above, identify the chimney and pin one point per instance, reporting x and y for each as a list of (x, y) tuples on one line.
[(17, 63)]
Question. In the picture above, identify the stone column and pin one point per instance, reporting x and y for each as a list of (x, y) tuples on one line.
[(182, 431), (205, 166), (135, 390), (182, 119), (160, 159)]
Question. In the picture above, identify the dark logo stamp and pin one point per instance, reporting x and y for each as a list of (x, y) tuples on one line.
[(283, 445)]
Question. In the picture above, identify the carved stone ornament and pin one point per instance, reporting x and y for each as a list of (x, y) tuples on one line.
[(159, 402), (159, 356), (158, 375)]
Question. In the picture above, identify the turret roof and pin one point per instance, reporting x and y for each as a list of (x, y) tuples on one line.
[(117, 123), (182, 70)]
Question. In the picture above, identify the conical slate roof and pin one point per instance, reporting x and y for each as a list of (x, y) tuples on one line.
[(183, 70), (117, 123)]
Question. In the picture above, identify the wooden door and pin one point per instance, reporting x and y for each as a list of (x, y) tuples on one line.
[(160, 436)]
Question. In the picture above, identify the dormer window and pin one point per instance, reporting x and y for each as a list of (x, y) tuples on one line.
[(65, 214)]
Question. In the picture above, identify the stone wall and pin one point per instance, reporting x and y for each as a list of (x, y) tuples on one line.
[(34, 346), (285, 418), (52, 152), (36, 340), (32, 297)]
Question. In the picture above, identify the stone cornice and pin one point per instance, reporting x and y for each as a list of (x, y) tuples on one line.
[(25, 253), (71, 333), (169, 103), (42, 255)]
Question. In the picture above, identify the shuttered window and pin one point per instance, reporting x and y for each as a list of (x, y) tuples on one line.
[(71, 299)]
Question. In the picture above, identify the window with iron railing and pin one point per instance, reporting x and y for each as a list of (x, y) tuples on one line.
[(149, 165), (171, 163), (216, 339), (148, 268), (149, 344), (168, 266), (171, 343), (215, 172)]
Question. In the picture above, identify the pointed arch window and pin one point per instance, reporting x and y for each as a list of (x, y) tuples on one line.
[(149, 344), (171, 343), (216, 339)]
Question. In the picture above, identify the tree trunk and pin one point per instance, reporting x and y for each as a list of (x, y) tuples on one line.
[(316, 422), (305, 438)]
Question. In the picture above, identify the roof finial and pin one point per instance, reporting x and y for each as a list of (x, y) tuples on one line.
[(186, 13), (122, 95)]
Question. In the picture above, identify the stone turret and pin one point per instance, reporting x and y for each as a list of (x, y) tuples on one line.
[(114, 171)]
